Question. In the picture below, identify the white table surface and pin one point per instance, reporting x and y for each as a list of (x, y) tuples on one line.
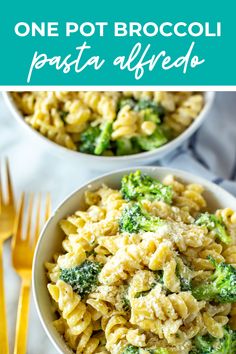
[(34, 169)]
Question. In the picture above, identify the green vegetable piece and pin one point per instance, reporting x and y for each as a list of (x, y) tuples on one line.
[(126, 147), (221, 285), (88, 140), (83, 278), (130, 349), (103, 139), (151, 116), (215, 224), (153, 141), (152, 107), (126, 102), (135, 219), (137, 186), (210, 345)]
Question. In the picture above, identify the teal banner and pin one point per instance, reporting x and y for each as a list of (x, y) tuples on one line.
[(118, 43)]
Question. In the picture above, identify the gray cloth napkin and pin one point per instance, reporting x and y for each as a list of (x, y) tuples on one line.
[(211, 151)]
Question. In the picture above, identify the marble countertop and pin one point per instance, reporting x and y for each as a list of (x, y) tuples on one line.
[(35, 169)]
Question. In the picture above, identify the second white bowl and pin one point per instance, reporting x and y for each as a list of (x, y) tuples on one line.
[(52, 236), (107, 163)]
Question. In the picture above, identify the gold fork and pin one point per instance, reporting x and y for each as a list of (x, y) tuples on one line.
[(7, 216), (23, 246)]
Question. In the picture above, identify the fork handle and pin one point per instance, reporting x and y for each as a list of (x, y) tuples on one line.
[(22, 319), (3, 328)]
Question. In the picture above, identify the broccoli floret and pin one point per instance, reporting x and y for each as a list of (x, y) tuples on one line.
[(126, 102), (83, 278), (88, 140), (103, 140), (153, 141), (221, 285), (95, 140), (130, 349), (126, 147), (152, 111), (137, 186), (210, 345), (214, 224), (134, 219)]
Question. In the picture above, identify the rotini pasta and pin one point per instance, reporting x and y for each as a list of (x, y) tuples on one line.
[(130, 276), (110, 123)]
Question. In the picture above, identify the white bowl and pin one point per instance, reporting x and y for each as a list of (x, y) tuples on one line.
[(112, 162), (52, 236)]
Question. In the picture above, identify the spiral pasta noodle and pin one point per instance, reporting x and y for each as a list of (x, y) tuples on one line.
[(117, 332), (185, 113), (76, 316), (126, 124), (101, 103), (164, 315)]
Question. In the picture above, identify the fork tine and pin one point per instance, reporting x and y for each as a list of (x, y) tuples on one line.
[(48, 207), (1, 196), (9, 184), (1, 188), (19, 220), (37, 223), (28, 230)]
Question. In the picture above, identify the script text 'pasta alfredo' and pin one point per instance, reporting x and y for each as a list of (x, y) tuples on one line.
[(137, 61)]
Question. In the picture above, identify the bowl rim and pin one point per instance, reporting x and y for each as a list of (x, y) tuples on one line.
[(208, 185), (169, 146)]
